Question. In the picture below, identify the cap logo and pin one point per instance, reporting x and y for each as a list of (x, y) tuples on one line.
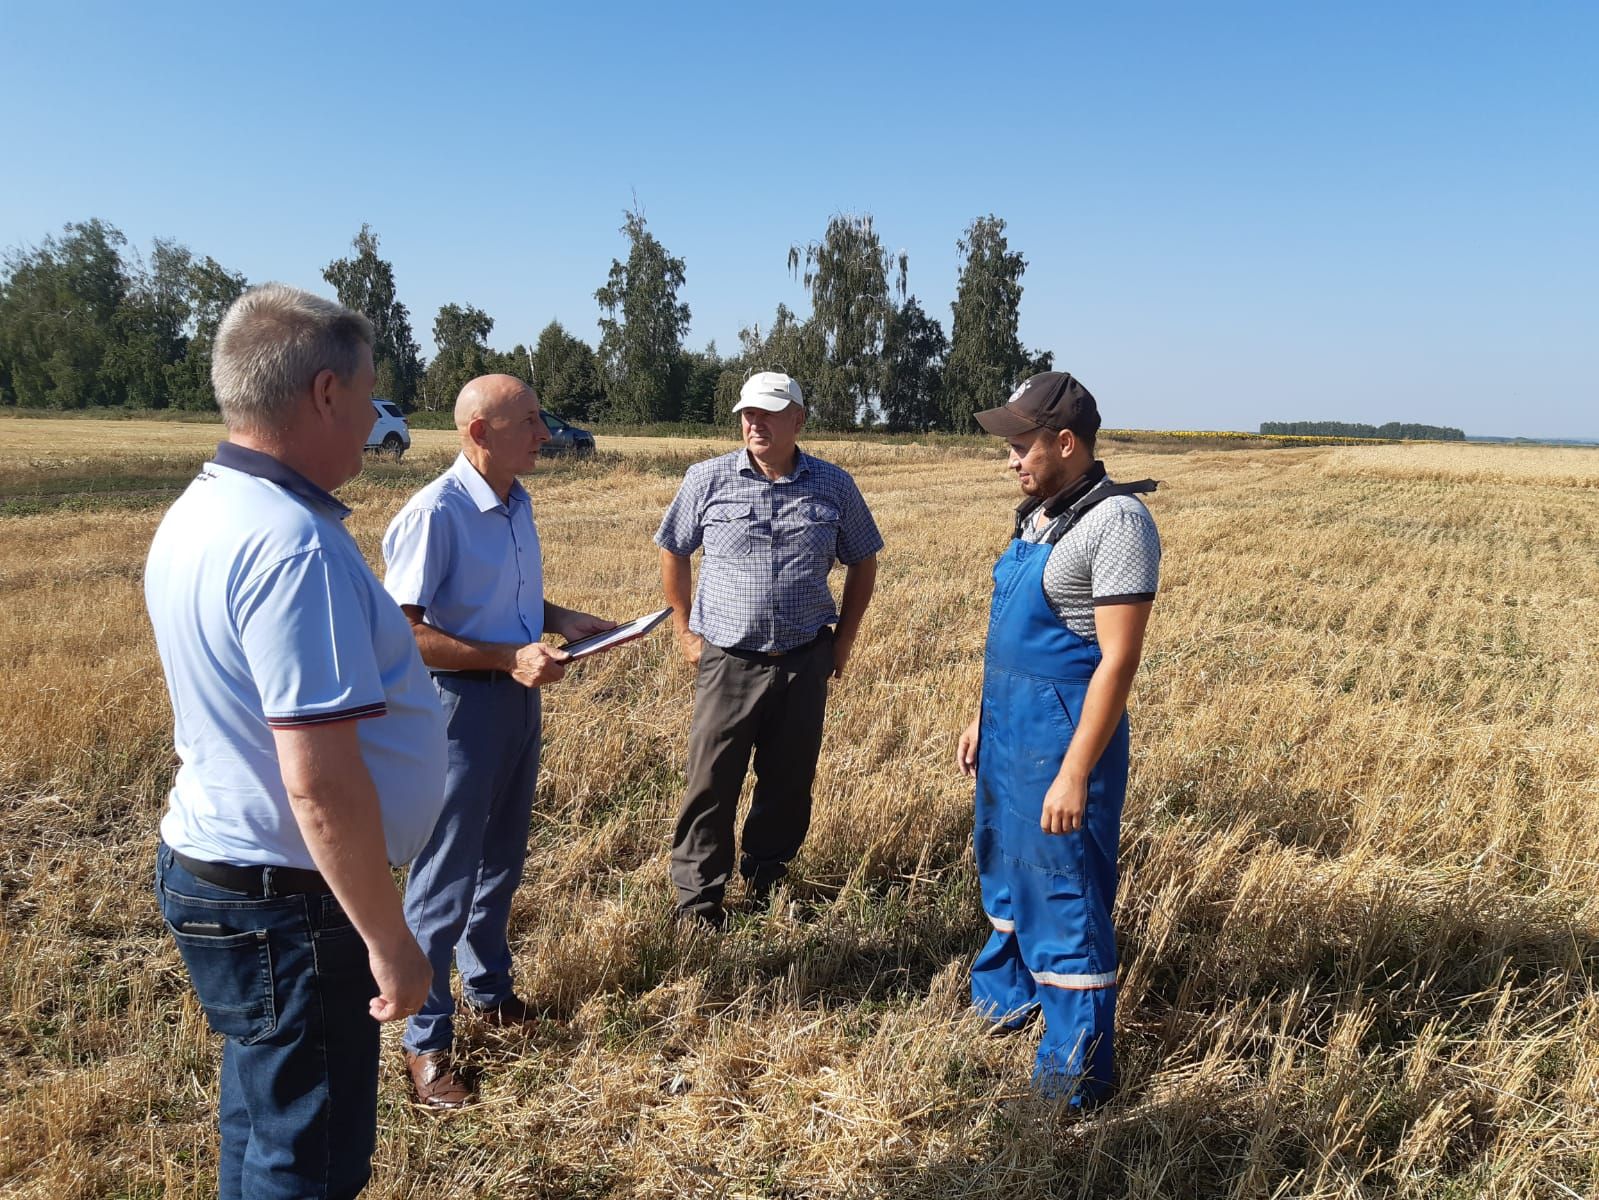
[(1017, 394)]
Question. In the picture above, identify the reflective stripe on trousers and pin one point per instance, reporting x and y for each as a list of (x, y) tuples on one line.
[(1049, 897)]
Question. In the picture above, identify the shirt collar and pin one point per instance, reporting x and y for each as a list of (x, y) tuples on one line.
[(263, 466), (478, 488), (802, 466)]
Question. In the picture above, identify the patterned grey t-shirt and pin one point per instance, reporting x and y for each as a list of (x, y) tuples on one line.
[(1111, 556)]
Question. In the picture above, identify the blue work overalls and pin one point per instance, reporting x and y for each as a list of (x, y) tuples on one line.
[(1048, 896)]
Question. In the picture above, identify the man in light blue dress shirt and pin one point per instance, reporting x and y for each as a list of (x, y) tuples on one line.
[(463, 563)]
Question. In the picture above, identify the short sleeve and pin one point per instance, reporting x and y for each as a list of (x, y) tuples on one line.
[(306, 627), (681, 528), (416, 555), (858, 537), (1125, 567)]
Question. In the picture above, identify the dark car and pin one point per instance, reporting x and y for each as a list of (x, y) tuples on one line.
[(566, 438)]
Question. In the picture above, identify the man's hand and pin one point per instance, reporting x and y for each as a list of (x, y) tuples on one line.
[(966, 748), (1064, 804), (537, 664), (571, 624), (692, 645), (843, 643), (403, 976)]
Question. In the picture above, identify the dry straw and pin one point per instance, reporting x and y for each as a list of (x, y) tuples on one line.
[(1358, 901)]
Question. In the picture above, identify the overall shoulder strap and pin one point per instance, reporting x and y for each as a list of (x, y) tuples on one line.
[(1023, 514), (1062, 525)]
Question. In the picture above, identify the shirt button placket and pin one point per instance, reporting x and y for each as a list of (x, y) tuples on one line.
[(771, 525)]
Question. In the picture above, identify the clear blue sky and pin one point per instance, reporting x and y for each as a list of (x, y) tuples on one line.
[(1230, 213)]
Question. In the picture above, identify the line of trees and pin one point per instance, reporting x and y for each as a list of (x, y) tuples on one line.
[(1393, 429), (87, 321)]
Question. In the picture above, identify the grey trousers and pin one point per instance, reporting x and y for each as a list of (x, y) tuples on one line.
[(746, 701), (458, 898)]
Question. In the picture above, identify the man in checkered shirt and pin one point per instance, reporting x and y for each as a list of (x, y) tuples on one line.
[(764, 636)]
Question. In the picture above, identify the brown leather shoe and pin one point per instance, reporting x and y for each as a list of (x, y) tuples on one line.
[(436, 1082), (512, 1013)]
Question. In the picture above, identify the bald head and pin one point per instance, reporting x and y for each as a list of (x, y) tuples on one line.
[(490, 397), (502, 430)]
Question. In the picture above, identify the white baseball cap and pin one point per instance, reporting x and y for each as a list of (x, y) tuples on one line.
[(771, 390)]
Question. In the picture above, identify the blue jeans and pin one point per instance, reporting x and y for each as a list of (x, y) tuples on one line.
[(458, 898), (286, 982)]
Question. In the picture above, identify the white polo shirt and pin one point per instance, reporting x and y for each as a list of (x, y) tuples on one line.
[(472, 562), (266, 616)]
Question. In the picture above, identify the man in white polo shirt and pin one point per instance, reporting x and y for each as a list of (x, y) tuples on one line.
[(464, 564), (312, 754)]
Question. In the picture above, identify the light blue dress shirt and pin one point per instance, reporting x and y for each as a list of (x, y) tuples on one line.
[(471, 561)]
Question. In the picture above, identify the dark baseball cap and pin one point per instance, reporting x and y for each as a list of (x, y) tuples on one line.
[(1052, 400)]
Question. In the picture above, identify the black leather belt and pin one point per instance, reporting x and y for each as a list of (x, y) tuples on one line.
[(256, 881), (762, 655), (480, 676)]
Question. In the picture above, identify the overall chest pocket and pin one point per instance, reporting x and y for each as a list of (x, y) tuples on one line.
[(727, 530)]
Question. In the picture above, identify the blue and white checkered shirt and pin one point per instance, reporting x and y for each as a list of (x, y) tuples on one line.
[(769, 544)]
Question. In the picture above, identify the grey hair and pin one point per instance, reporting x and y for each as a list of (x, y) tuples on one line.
[(271, 345)]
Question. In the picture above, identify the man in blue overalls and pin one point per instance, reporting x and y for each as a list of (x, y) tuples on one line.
[(1072, 596)]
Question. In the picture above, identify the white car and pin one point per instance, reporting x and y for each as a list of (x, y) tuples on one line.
[(389, 433)]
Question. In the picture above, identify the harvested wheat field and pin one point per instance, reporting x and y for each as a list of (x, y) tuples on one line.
[(1360, 901)]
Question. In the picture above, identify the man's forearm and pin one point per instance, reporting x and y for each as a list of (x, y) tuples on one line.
[(677, 582), (1103, 706), (557, 620), (860, 581), (1120, 631), (335, 806), (446, 652)]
